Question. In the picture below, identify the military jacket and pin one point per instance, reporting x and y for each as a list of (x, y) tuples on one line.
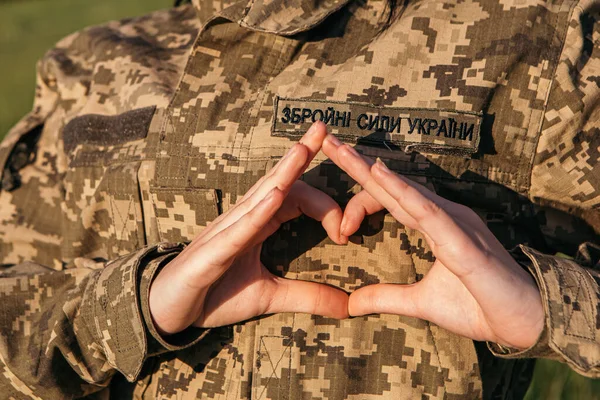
[(145, 130)]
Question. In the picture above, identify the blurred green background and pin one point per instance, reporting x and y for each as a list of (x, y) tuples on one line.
[(29, 27)]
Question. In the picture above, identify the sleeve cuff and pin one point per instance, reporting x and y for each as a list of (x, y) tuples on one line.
[(158, 344), (570, 296), (116, 302)]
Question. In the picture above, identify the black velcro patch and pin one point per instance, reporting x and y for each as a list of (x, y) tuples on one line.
[(107, 130)]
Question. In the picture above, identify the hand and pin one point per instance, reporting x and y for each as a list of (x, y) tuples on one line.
[(219, 280), (474, 288)]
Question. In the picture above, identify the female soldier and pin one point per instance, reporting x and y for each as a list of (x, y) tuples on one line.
[(172, 128)]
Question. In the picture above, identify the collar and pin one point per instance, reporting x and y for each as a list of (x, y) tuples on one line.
[(283, 17)]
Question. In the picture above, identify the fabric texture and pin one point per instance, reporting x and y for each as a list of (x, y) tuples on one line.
[(144, 130)]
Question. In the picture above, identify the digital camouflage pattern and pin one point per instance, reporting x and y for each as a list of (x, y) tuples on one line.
[(144, 130)]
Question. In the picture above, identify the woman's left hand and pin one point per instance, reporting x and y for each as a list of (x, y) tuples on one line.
[(474, 288)]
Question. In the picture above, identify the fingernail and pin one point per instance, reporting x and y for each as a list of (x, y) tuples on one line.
[(343, 226), (310, 132), (382, 165), (312, 129), (333, 140)]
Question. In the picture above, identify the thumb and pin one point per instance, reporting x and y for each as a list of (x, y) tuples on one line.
[(359, 206), (308, 297), (305, 199), (385, 298)]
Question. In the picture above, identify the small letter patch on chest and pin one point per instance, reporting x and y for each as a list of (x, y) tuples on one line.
[(421, 129)]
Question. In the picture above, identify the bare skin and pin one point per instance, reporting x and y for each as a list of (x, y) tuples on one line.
[(219, 280), (474, 288)]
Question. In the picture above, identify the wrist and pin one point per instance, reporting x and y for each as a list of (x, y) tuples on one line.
[(174, 301), (159, 340)]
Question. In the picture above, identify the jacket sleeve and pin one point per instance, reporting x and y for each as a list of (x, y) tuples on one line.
[(65, 333), (66, 326), (571, 299), (566, 176)]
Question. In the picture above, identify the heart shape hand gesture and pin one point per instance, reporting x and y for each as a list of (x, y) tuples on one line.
[(474, 288)]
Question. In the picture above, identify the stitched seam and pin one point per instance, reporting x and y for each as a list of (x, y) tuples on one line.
[(437, 354), (139, 218), (121, 349), (169, 108), (256, 98), (125, 222), (274, 371), (527, 185), (570, 314), (190, 189), (246, 12), (259, 99), (552, 316), (291, 336), (160, 235), (424, 146), (112, 213), (94, 286), (91, 155), (237, 345), (488, 169)]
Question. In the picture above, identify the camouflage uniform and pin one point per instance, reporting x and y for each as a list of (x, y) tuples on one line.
[(144, 130)]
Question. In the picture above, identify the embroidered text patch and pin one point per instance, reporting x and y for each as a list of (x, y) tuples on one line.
[(420, 129)]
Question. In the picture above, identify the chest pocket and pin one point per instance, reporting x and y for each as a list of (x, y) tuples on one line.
[(113, 205), (181, 214), (103, 209)]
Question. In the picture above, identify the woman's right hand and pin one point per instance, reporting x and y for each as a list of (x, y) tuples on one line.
[(218, 278)]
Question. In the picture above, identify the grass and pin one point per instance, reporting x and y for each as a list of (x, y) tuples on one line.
[(28, 28), (556, 381)]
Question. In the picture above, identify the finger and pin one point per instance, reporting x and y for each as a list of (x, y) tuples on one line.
[(469, 251), (287, 173), (283, 175), (331, 145), (310, 201), (308, 297), (305, 199), (453, 246), (359, 206), (359, 168), (312, 140), (429, 214), (318, 206), (384, 298), (218, 253)]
